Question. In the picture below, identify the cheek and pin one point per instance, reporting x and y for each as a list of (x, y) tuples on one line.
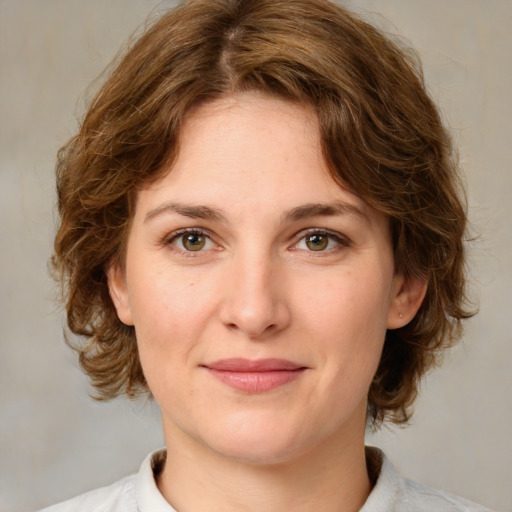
[(170, 311), (164, 338), (348, 320), (164, 298), (348, 300)]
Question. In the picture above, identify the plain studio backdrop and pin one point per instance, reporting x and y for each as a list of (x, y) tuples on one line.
[(56, 442)]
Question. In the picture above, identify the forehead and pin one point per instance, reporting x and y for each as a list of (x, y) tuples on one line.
[(249, 151), (253, 127), (249, 136)]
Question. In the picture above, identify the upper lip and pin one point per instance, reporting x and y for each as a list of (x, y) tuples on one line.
[(238, 364)]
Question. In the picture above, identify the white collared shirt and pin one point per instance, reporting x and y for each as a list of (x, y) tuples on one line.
[(391, 493)]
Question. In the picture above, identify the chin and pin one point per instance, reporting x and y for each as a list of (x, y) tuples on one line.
[(258, 441)]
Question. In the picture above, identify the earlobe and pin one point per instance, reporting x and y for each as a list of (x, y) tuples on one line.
[(119, 293), (408, 295)]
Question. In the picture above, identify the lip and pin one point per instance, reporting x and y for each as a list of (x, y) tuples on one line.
[(255, 376)]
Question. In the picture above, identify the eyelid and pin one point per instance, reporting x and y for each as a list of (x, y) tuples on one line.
[(183, 231)]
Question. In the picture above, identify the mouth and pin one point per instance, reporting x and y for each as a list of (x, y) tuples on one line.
[(255, 376)]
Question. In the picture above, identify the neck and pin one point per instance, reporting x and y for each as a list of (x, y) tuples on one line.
[(331, 478)]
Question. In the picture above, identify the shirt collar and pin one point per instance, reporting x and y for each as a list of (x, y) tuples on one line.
[(383, 496)]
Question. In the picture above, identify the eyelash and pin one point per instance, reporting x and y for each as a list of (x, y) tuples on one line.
[(341, 241)]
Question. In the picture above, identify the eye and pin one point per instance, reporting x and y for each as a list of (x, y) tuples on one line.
[(190, 241), (320, 241)]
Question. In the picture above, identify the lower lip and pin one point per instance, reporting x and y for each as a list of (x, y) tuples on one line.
[(256, 382)]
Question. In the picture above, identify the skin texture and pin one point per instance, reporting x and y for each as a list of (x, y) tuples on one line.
[(256, 289)]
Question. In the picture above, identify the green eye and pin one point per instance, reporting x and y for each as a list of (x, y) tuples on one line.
[(317, 242), (193, 241)]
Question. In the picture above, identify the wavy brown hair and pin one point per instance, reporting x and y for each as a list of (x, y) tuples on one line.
[(381, 134)]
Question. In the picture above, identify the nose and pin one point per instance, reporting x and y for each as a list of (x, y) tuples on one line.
[(254, 298)]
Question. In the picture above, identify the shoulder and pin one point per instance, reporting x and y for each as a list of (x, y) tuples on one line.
[(422, 498), (394, 493), (118, 497), (131, 494)]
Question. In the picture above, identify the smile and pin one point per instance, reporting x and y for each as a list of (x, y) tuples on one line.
[(255, 376)]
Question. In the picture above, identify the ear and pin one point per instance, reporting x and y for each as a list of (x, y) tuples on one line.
[(408, 295), (119, 293)]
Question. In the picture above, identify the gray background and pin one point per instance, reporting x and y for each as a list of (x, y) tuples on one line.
[(55, 441)]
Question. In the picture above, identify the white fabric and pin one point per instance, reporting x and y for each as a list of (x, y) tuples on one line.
[(391, 493)]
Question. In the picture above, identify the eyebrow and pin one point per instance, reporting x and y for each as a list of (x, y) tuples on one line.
[(299, 213), (194, 212), (323, 210)]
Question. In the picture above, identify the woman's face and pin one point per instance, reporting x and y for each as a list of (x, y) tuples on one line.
[(260, 290)]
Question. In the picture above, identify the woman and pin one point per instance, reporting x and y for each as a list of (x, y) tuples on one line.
[(262, 227)]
